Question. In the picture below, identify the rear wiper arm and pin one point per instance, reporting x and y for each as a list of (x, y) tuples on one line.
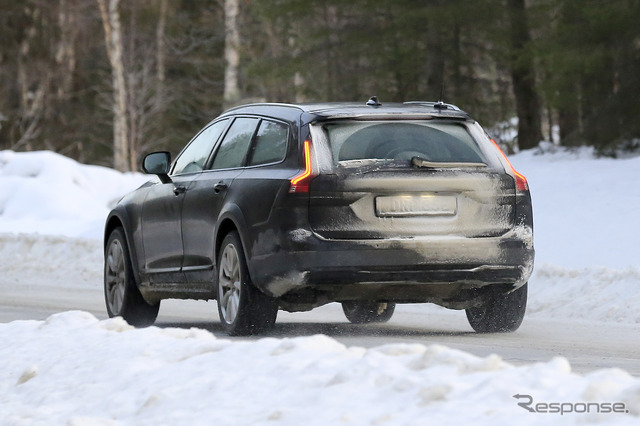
[(421, 162)]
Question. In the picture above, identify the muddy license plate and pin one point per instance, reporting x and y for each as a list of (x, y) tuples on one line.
[(416, 205)]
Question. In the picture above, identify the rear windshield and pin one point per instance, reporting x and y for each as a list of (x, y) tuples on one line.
[(402, 140)]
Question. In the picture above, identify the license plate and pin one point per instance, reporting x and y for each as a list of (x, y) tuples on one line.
[(416, 205)]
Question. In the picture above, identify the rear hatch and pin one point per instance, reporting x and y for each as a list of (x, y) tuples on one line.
[(404, 179)]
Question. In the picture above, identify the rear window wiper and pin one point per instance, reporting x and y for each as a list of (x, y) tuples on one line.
[(421, 162)]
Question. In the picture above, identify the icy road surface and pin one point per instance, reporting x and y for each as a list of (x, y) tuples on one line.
[(587, 345)]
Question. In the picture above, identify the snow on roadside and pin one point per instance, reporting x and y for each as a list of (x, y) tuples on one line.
[(50, 261), (588, 294), (584, 208), (586, 234), (47, 193), (74, 369)]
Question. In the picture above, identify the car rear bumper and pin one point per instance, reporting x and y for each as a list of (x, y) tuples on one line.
[(467, 262)]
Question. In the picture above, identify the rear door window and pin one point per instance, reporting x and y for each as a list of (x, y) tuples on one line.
[(233, 149), (401, 141), (270, 145)]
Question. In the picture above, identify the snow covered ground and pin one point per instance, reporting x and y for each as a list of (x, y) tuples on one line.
[(587, 232), (46, 193), (74, 369)]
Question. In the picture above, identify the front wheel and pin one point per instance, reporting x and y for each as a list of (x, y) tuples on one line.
[(499, 313), (368, 312), (243, 309), (121, 293)]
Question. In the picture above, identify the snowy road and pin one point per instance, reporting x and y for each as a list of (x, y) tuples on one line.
[(588, 346)]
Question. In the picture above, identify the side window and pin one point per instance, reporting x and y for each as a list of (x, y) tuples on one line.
[(235, 144), (271, 143), (194, 156)]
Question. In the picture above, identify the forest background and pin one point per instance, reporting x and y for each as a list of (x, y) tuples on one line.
[(106, 81)]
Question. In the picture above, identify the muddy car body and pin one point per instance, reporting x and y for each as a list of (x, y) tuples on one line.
[(279, 206)]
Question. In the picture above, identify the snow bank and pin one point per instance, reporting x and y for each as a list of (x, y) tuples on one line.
[(73, 369), (585, 208), (590, 294), (50, 261), (47, 193)]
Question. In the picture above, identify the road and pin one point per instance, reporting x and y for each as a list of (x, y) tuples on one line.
[(588, 346)]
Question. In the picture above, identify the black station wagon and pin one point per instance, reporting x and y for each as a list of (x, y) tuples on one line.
[(280, 206)]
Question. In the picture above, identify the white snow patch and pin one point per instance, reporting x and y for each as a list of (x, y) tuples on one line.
[(584, 208), (50, 261), (592, 294), (74, 369), (47, 193)]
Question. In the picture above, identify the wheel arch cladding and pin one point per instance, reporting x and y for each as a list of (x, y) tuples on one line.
[(227, 225), (113, 222)]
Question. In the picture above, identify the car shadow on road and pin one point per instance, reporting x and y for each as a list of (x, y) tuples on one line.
[(337, 330)]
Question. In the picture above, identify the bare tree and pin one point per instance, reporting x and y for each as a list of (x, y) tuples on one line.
[(161, 49), (231, 53), (65, 53), (146, 101), (32, 86), (113, 38)]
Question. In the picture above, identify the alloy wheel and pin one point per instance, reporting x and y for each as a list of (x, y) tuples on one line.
[(229, 284), (115, 277)]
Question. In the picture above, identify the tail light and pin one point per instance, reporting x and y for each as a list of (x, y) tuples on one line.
[(521, 181), (300, 182)]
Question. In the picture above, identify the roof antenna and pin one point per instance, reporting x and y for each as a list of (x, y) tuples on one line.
[(440, 104), (374, 102)]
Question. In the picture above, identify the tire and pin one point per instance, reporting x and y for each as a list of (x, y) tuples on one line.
[(244, 310), (121, 293), (368, 312), (500, 313)]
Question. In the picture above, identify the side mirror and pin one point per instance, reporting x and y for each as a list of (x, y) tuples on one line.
[(158, 163)]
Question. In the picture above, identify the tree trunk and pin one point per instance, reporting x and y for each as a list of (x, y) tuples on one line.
[(161, 49), (113, 37), (65, 51), (523, 77), (32, 89), (569, 123), (231, 53), (299, 81)]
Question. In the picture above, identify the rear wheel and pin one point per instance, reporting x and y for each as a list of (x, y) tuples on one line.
[(500, 313), (368, 312), (243, 309), (121, 293)]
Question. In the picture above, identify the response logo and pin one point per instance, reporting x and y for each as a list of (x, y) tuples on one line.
[(562, 408)]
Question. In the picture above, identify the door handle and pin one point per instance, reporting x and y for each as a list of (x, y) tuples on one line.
[(179, 190), (219, 187)]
